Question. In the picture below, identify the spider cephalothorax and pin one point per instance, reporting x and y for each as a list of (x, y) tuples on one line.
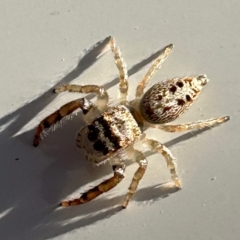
[(115, 130), (112, 131)]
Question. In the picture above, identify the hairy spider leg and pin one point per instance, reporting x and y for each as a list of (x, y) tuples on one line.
[(122, 68), (103, 187), (171, 164), (102, 95), (153, 69), (139, 157), (192, 125), (58, 115)]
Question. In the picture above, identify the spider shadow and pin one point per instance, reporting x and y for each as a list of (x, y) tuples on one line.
[(101, 208), (104, 208), (38, 178), (81, 171)]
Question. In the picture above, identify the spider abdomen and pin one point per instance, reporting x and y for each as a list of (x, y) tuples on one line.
[(166, 101), (115, 129)]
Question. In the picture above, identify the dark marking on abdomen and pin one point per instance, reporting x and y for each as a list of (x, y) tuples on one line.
[(101, 135)]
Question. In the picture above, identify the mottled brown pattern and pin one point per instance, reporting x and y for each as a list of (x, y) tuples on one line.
[(166, 109), (176, 96)]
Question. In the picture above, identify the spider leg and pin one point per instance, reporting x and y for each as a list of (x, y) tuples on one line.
[(58, 115), (122, 68), (102, 95), (103, 187), (193, 125), (153, 69), (158, 147), (142, 161)]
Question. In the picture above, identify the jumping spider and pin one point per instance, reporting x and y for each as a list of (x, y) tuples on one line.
[(112, 131)]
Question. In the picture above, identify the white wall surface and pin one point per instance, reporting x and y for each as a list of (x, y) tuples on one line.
[(41, 42)]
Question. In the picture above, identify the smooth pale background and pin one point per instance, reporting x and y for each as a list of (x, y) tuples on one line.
[(41, 42)]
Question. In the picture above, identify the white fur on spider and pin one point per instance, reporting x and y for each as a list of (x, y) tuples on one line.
[(58, 124), (120, 171), (106, 140)]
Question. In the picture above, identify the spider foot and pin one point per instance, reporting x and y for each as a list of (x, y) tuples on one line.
[(36, 141), (124, 207), (177, 183), (70, 203), (223, 119), (59, 89), (127, 200)]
